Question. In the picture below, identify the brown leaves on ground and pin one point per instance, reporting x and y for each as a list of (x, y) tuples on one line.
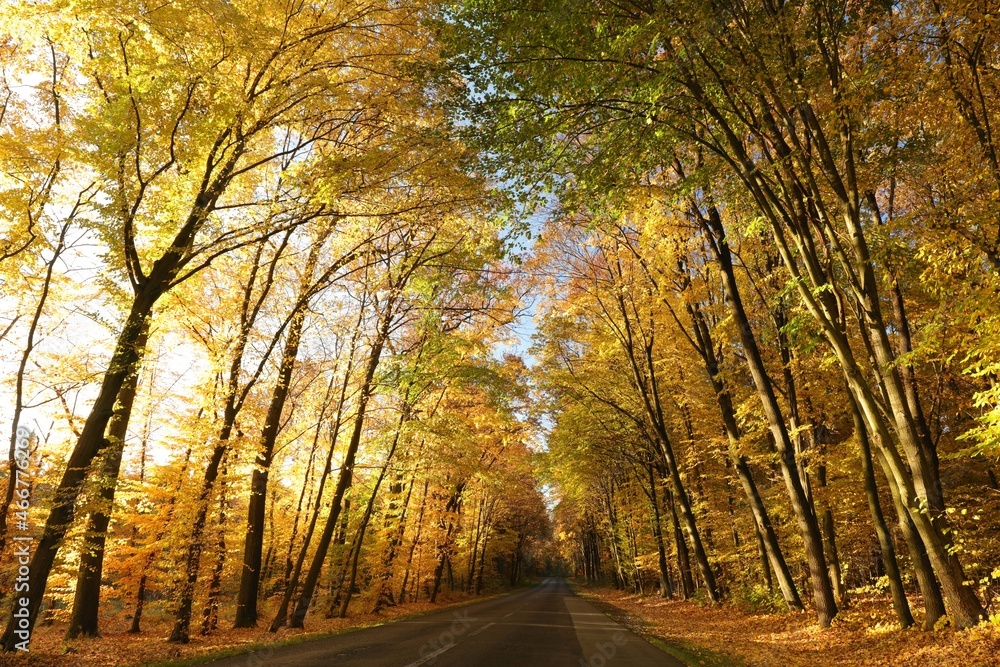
[(861, 635)]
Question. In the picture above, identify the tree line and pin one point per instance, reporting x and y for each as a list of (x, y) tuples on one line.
[(770, 285), (252, 296)]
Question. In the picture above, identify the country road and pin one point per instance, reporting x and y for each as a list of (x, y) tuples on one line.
[(544, 626)]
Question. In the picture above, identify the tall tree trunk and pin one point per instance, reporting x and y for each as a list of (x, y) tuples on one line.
[(452, 510), (478, 587), (348, 592), (775, 560), (935, 493), (689, 526), (683, 559), (147, 289), (235, 398), (87, 599), (621, 579), (384, 596), (930, 589), (474, 552), (769, 540), (899, 602), (765, 565), (252, 572), (632, 339), (413, 545), (346, 471), (661, 551), (309, 477), (833, 558), (281, 616), (91, 440), (826, 605), (246, 598), (915, 484), (210, 615), (796, 424), (964, 607), (634, 546), (336, 588)]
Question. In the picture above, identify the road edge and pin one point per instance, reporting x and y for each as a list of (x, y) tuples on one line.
[(688, 653)]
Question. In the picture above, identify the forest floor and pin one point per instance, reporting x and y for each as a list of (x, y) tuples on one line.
[(864, 634), (117, 648)]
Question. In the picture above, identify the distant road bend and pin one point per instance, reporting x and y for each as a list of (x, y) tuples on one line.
[(544, 626)]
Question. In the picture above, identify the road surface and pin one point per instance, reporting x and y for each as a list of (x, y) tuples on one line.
[(544, 626)]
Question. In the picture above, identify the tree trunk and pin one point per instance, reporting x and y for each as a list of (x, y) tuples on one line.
[(293, 581), (922, 568), (826, 606), (621, 580), (246, 598), (689, 526), (309, 477), (181, 631), (661, 551), (348, 593), (768, 540), (452, 509), (474, 552), (413, 545), (646, 385), (384, 597), (478, 588), (91, 440), (147, 290), (683, 559), (634, 546), (915, 485), (833, 558), (899, 602), (87, 600), (210, 615), (935, 493), (346, 472), (765, 565), (235, 397)]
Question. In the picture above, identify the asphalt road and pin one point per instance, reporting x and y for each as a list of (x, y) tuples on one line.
[(544, 626)]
